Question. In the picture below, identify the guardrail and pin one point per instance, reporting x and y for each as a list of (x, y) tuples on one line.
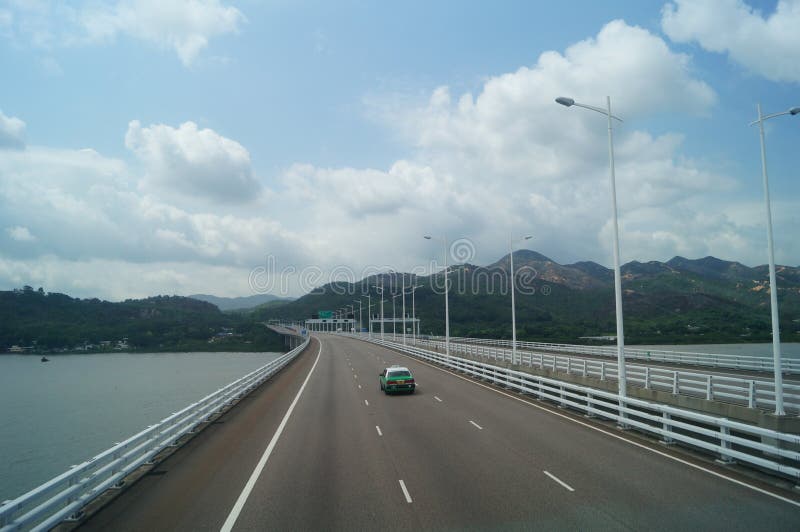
[(753, 393), (742, 362), (729, 440), (65, 495)]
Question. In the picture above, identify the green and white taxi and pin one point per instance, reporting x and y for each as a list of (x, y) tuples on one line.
[(397, 379)]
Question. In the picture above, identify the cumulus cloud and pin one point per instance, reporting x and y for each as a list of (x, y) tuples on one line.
[(768, 45), (189, 161), (20, 234), (12, 132), (506, 158), (184, 26)]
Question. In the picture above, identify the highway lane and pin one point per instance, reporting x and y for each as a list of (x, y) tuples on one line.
[(195, 488), (471, 458), (467, 456)]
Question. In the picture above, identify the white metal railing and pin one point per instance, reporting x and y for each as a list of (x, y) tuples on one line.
[(729, 440), (64, 496), (742, 362), (753, 393)]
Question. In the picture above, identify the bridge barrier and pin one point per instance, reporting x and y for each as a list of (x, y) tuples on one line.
[(730, 441), (715, 360), (64, 496), (753, 393)]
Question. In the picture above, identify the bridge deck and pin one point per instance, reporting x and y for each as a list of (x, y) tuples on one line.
[(468, 456)]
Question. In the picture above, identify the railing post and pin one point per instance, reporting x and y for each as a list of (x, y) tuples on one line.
[(674, 383), (589, 404), (584, 367), (709, 389), (667, 426), (602, 370), (751, 394), (725, 458), (647, 377), (569, 365)]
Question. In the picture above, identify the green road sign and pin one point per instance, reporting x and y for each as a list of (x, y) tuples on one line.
[(325, 314)]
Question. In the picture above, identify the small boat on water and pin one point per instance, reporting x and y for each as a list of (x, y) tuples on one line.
[(45, 359)]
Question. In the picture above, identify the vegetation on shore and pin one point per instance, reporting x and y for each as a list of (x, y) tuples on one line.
[(33, 320)]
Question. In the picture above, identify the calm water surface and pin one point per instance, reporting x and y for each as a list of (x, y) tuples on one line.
[(788, 349), (65, 411)]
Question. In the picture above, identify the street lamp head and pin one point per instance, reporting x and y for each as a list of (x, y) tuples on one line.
[(794, 110), (528, 237), (567, 102), (427, 237)]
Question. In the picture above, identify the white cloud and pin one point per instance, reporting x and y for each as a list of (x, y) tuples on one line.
[(12, 132), (20, 234), (767, 45), (188, 161), (184, 26), (480, 165)]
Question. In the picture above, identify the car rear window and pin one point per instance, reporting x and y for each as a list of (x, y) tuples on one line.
[(398, 374)]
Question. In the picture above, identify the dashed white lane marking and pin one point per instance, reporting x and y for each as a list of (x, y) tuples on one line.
[(405, 492), (478, 426), (379, 430), (359, 386), (617, 437), (564, 484), (366, 402), (251, 482), (437, 398)]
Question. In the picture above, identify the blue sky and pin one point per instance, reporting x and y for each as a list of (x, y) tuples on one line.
[(172, 147)]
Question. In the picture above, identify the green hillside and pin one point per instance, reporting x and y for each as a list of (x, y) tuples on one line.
[(51, 321)]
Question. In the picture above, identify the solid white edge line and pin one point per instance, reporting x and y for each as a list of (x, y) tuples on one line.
[(251, 482), (570, 488), (379, 430), (607, 433), (437, 398), (479, 427), (405, 492)]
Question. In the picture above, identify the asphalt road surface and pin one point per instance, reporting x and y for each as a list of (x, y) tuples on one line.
[(320, 447)]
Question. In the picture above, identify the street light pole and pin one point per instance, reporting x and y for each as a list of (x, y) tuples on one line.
[(404, 309), (414, 327), (446, 298), (568, 102), (381, 292), (360, 320), (773, 285), (513, 306), (369, 314)]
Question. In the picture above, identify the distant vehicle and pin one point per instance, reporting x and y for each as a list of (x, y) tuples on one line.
[(338, 329), (45, 359), (397, 379)]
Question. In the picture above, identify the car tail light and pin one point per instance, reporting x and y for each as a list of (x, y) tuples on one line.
[(391, 382), (410, 381)]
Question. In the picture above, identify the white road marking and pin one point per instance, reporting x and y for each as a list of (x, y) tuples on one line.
[(437, 398), (366, 402), (251, 482), (479, 427), (607, 433), (359, 386), (570, 488), (405, 491), (379, 430)]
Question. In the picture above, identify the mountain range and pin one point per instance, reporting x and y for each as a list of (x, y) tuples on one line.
[(678, 301), (239, 303)]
